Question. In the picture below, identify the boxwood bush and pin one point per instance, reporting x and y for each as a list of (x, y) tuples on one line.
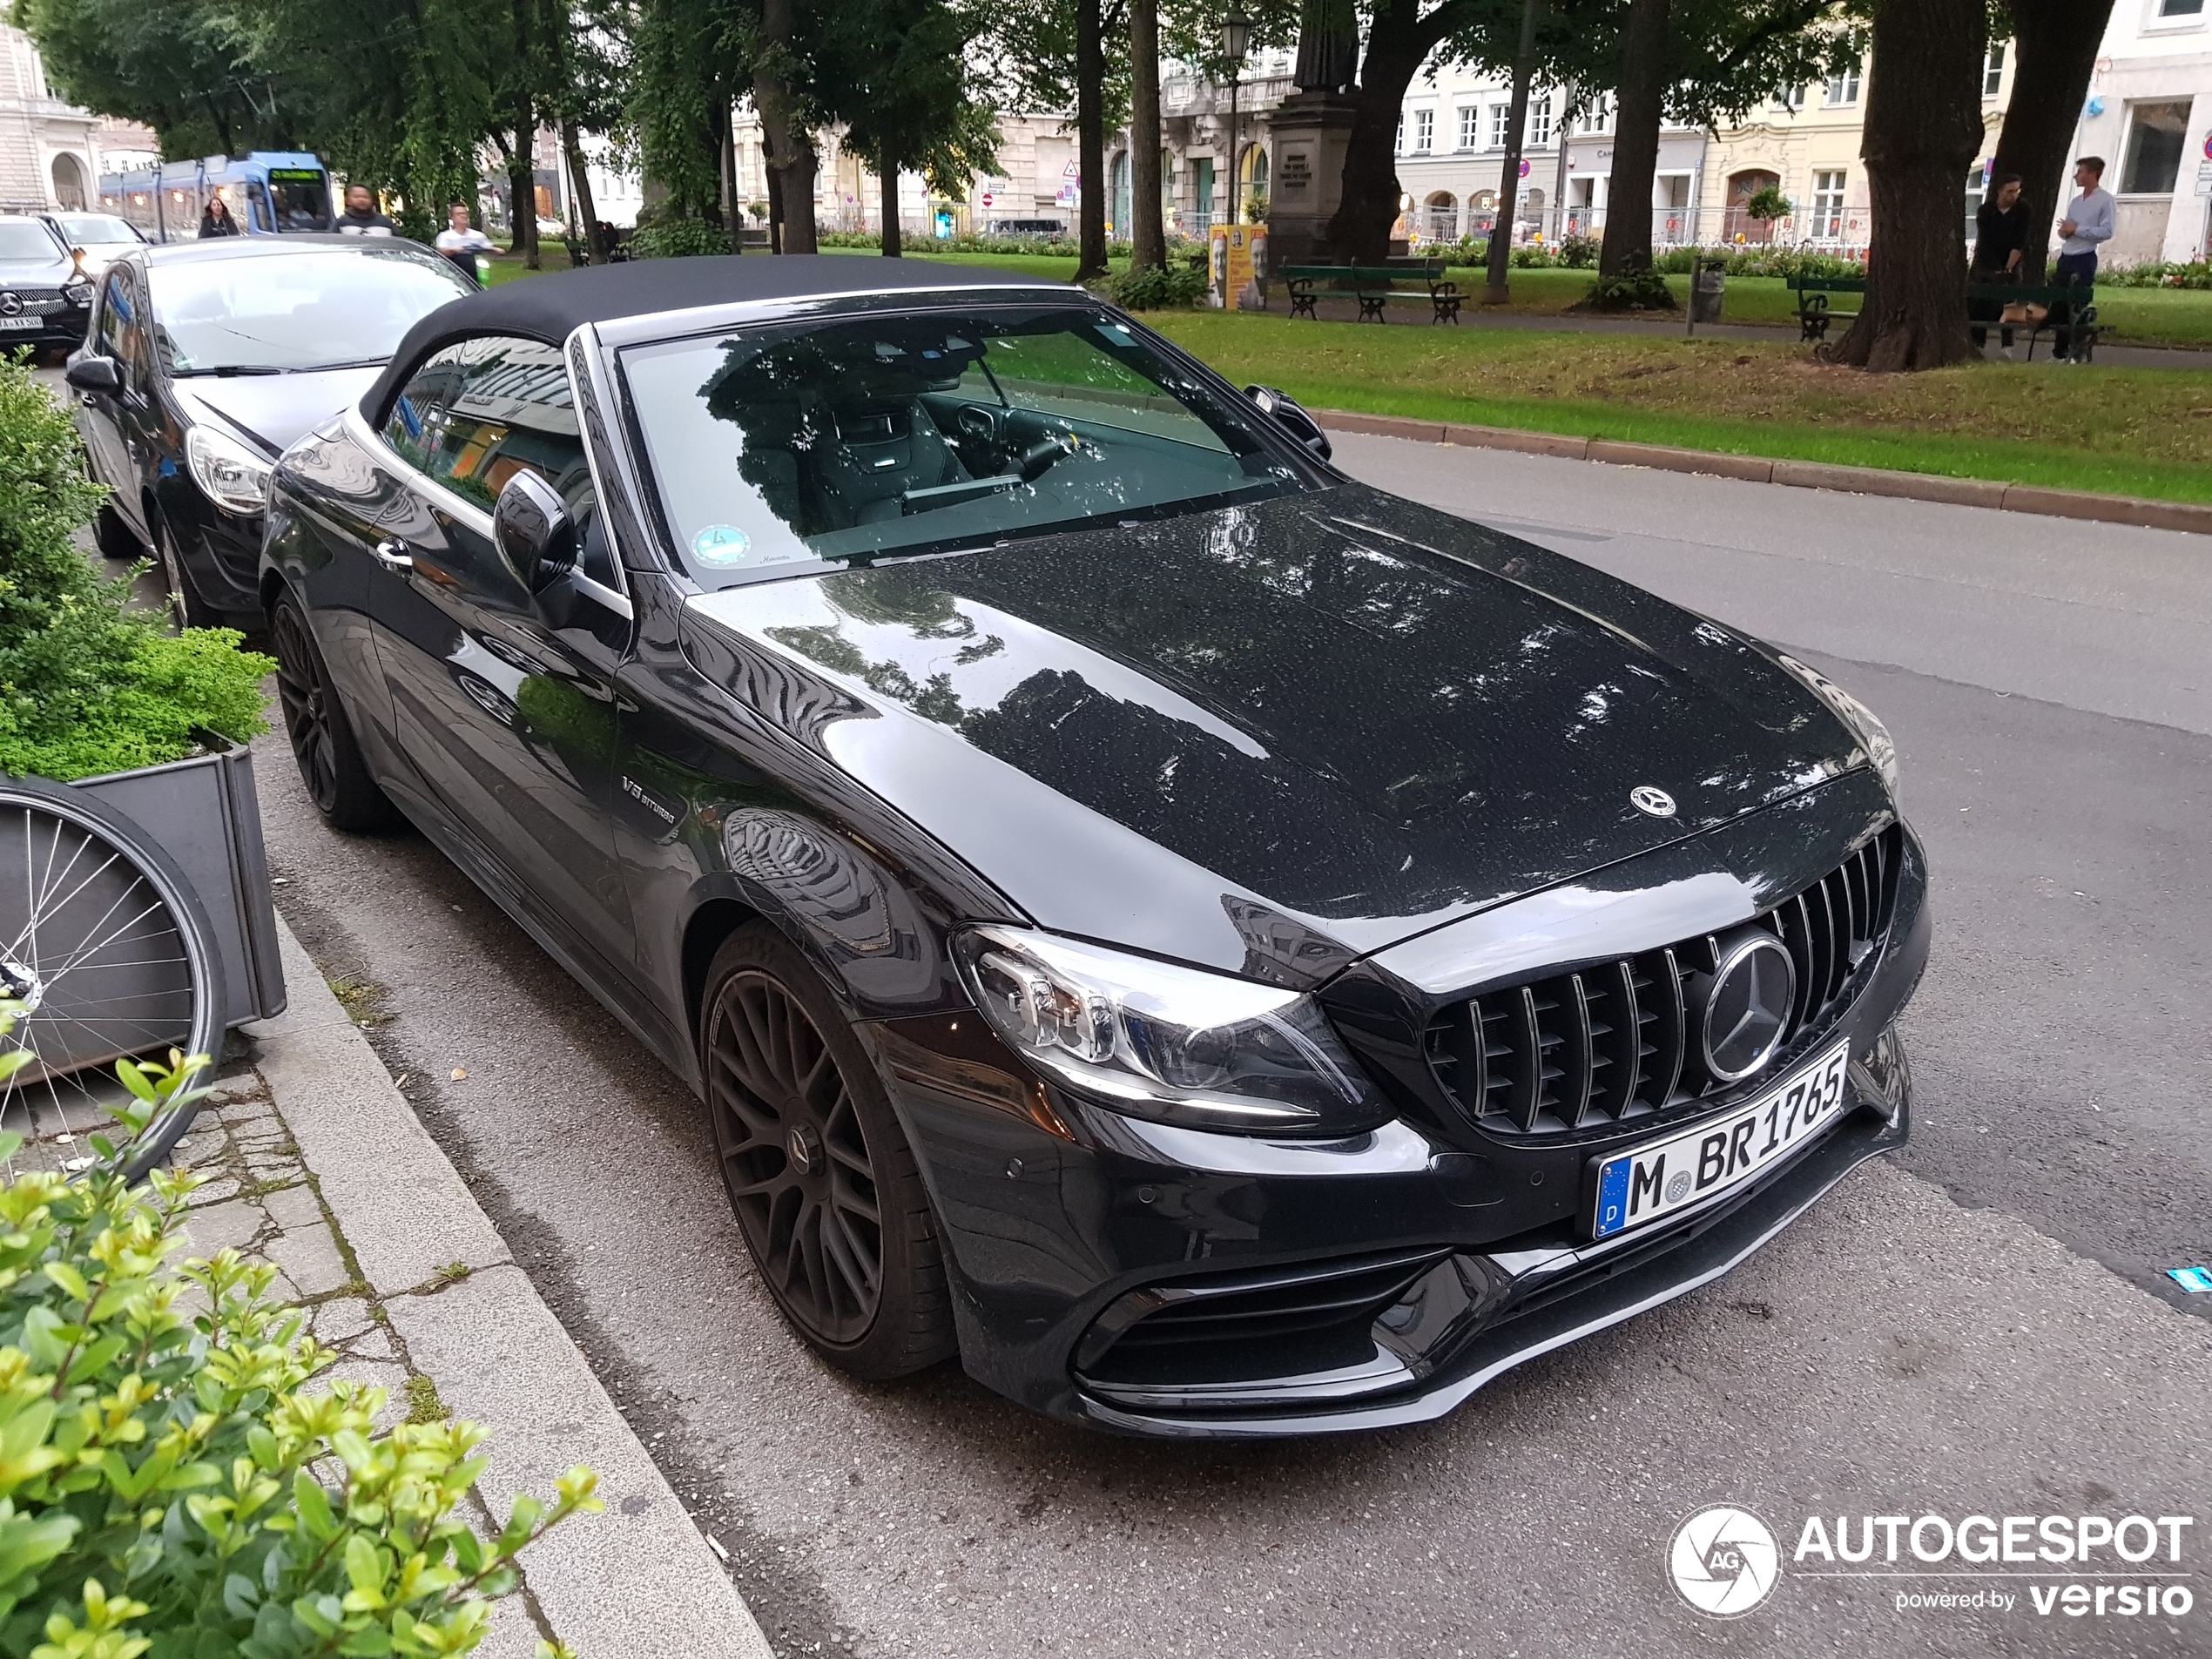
[(171, 1485), (89, 685)]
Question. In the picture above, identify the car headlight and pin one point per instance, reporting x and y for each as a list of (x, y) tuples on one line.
[(1881, 748), (77, 292), (1158, 1040), (229, 474)]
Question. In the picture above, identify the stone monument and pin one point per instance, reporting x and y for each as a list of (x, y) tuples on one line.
[(1309, 130)]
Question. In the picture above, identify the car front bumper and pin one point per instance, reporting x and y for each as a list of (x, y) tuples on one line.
[(1067, 1226)]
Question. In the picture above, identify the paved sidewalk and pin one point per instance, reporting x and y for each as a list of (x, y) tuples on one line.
[(317, 1163)]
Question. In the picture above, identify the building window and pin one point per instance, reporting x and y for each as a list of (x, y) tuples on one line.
[(1500, 125), (1399, 143), (1792, 98), (1470, 126), (1993, 69), (2155, 146), (1598, 118), (2181, 7), (1424, 131), (1540, 122), (1828, 206), (1842, 89)]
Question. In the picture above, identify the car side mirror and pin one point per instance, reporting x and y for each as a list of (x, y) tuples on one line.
[(1293, 420), (533, 532), (94, 374)]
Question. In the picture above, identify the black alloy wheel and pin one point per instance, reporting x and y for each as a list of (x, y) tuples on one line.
[(819, 1175), (330, 761)]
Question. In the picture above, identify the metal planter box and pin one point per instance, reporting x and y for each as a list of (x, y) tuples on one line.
[(204, 812)]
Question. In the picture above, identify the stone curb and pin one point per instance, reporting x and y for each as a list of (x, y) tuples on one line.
[(1803, 475), (638, 1580)]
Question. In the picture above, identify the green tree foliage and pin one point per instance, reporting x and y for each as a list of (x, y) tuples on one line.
[(87, 685), (169, 1483), (175, 66)]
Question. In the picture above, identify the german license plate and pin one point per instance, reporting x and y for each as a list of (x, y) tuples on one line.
[(1664, 1178), (20, 322)]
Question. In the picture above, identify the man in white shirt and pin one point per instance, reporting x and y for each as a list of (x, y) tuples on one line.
[(2086, 226), (461, 241)]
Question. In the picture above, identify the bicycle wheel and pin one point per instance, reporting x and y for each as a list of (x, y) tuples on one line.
[(108, 949)]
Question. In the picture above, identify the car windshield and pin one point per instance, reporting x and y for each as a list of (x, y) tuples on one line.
[(309, 308), (93, 230), (786, 447), (27, 241)]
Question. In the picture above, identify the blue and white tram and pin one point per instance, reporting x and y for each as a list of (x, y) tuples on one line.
[(268, 193)]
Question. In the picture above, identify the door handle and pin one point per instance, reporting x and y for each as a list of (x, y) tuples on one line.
[(393, 556)]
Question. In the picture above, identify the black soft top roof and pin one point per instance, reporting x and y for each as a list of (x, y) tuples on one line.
[(549, 308)]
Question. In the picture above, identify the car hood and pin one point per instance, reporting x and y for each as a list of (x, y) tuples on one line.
[(273, 411), (1270, 738), (36, 274)]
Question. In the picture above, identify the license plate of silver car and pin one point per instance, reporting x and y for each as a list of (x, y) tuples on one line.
[(1662, 1178)]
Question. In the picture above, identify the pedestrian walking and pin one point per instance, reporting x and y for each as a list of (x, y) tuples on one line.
[(360, 217), (215, 219), (461, 241), (2086, 226), (2000, 239)]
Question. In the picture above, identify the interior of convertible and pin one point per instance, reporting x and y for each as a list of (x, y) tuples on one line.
[(856, 438)]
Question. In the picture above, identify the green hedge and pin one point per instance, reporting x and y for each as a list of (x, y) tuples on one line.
[(87, 683)]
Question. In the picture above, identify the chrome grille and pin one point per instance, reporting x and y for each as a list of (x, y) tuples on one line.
[(1611, 1042)]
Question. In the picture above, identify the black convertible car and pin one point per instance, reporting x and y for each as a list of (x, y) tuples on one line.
[(1222, 950)]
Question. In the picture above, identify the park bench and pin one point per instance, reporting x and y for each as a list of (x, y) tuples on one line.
[(1815, 313), (1375, 286), (2065, 307)]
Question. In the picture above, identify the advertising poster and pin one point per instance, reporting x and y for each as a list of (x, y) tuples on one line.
[(1239, 266)]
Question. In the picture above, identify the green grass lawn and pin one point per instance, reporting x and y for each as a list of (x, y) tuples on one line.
[(2136, 432)]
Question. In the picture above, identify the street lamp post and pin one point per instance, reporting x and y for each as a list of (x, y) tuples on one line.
[(1236, 41)]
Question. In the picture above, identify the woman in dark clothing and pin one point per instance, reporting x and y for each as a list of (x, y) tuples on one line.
[(217, 220), (2001, 234)]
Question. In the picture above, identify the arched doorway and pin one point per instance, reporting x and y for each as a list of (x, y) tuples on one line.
[(68, 181), (1737, 223), (1252, 168), (1528, 210), (1441, 216), (1117, 196)]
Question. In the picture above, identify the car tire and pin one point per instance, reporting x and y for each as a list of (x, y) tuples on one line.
[(116, 541), (323, 744), (192, 611), (819, 1175)]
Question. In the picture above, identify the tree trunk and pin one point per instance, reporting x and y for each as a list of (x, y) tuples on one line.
[(1148, 233), (1641, 95), (2056, 42), (888, 180), (1360, 230), (789, 147), (1501, 248), (1923, 129), (1090, 141), (580, 182), (522, 185)]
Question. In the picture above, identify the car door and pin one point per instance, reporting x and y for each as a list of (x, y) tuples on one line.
[(504, 715), (108, 422)]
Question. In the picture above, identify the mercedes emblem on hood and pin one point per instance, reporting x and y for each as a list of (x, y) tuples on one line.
[(1649, 798)]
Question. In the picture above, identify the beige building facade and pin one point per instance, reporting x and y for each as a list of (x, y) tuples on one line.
[(51, 152), (2149, 114)]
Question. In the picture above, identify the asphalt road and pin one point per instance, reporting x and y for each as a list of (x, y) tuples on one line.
[(1977, 1326)]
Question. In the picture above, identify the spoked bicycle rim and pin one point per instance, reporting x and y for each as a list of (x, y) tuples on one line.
[(108, 950)]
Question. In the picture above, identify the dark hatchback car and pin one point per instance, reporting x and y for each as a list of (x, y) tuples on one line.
[(205, 361), (44, 291), (1223, 950)]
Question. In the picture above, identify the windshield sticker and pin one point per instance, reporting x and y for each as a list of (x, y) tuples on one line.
[(721, 545)]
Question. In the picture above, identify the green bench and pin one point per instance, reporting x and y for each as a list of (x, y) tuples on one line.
[(2064, 307), (1375, 286)]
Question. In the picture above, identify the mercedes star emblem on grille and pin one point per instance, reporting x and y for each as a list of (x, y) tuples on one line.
[(11, 304), (1747, 1008), (1646, 798)]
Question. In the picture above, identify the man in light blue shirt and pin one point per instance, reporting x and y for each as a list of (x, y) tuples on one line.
[(2088, 226)]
